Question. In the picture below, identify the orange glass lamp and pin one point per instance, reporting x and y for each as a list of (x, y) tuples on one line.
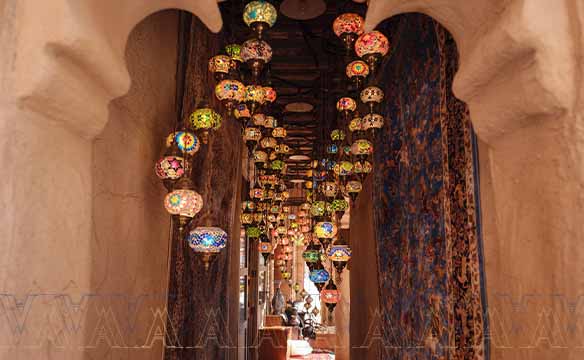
[(348, 27), (371, 47)]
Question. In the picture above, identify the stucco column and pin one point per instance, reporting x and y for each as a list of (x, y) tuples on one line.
[(62, 63)]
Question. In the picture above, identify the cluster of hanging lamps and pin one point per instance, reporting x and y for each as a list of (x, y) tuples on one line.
[(174, 168)]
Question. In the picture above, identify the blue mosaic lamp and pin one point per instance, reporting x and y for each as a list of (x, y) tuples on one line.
[(207, 241), (319, 276)]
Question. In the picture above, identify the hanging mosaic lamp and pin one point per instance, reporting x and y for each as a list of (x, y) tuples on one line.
[(371, 96), (362, 148), (207, 241), (319, 276), (371, 47), (242, 113), (372, 122), (170, 168), (183, 202), (271, 94), (339, 205), (257, 193), (348, 27), (353, 188), (346, 106), (260, 16), (185, 141), (260, 157), (325, 230), (253, 232), (329, 189), (330, 297), (318, 209), (270, 122), (230, 93), (220, 65), (311, 255), (343, 168), (279, 132), (362, 168), (338, 135), (357, 71), (265, 247), (254, 97), (256, 53), (251, 136), (268, 142), (234, 52), (246, 218), (340, 255), (204, 120)]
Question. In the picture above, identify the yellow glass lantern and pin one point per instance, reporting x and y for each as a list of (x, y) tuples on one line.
[(219, 65), (259, 16), (230, 93), (357, 71)]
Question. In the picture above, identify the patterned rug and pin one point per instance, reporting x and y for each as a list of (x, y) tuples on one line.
[(426, 203)]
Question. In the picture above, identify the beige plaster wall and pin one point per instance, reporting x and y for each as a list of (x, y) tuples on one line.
[(130, 249), (83, 233)]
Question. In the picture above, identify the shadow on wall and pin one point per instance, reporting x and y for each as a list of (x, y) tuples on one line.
[(131, 228)]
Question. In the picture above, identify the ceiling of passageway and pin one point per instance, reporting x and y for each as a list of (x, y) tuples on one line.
[(307, 67)]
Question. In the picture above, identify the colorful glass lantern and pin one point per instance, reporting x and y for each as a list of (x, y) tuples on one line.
[(270, 122), (279, 132), (253, 232), (356, 125), (248, 205), (277, 165), (325, 230), (259, 16), (353, 188), (265, 247), (362, 148), (372, 122), (183, 202), (205, 119), (256, 53), (362, 167), (348, 27), (260, 157), (338, 135), (286, 275), (318, 208), (246, 218), (234, 52), (257, 193), (258, 217), (219, 65), (311, 256), (343, 168), (372, 94), (332, 149), (329, 189), (282, 149), (346, 105), (186, 141), (251, 136), (268, 142), (230, 93), (242, 113), (268, 180), (340, 253), (339, 205), (271, 94), (371, 47), (259, 119), (207, 241), (254, 96), (319, 277), (357, 71), (170, 167), (330, 297)]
